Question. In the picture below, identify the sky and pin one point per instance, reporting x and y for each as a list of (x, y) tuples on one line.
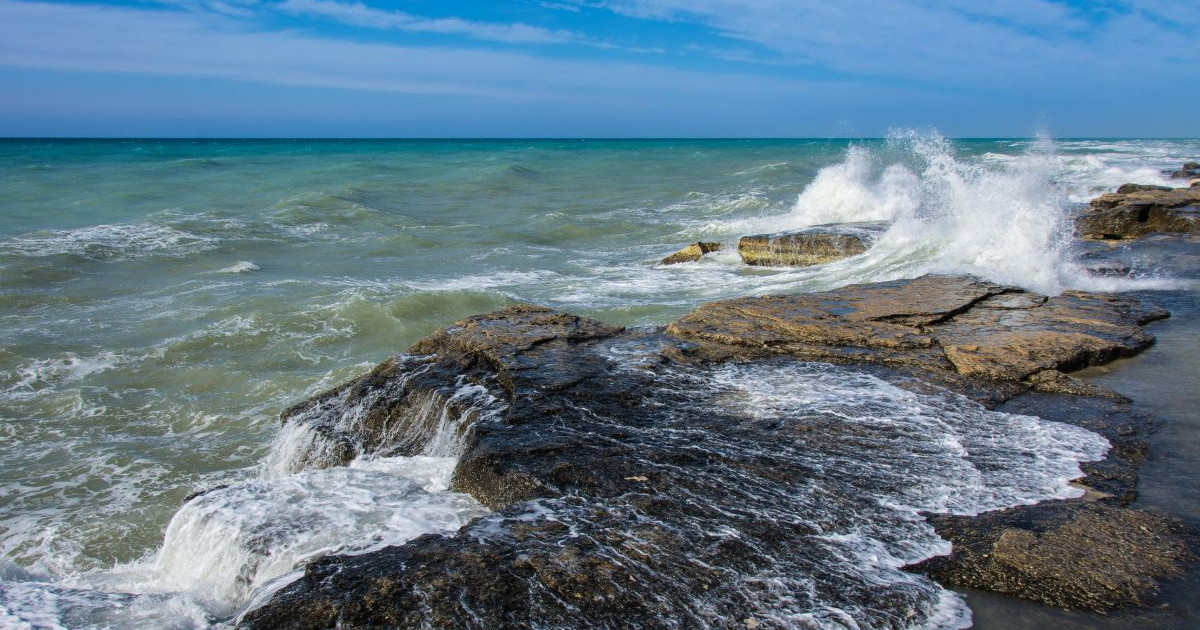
[(599, 68)]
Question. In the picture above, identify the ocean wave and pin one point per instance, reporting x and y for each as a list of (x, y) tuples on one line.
[(1007, 218), (109, 242), (241, 266)]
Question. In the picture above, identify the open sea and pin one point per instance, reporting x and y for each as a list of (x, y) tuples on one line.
[(162, 301)]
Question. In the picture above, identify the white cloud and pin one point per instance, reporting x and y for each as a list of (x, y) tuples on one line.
[(963, 42), (162, 42), (359, 14)]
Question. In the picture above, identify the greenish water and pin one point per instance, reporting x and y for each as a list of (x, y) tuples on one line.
[(162, 301)]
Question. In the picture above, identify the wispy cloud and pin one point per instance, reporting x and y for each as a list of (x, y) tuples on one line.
[(964, 42), (359, 14), (127, 40), (785, 66)]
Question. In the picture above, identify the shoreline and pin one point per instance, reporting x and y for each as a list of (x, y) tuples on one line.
[(874, 338)]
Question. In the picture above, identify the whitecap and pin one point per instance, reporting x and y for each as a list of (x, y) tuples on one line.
[(241, 266), (109, 242)]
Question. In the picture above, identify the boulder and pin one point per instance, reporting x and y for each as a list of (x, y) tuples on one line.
[(816, 245), (691, 253), (1139, 211), (1190, 170)]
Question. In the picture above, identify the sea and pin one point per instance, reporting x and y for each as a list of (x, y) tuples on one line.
[(163, 300)]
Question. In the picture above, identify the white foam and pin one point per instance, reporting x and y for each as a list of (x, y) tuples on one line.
[(37, 374), (1006, 218), (959, 457), (853, 190), (223, 545), (109, 242), (908, 453), (241, 266)]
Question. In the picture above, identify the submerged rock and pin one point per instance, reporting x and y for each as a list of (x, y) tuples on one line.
[(1137, 210), (816, 245), (691, 253), (710, 475)]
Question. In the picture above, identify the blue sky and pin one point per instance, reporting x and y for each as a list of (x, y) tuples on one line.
[(632, 68)]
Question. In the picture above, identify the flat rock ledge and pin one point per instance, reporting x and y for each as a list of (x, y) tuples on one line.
[(817, 245), (624, 495), (1137, 210)]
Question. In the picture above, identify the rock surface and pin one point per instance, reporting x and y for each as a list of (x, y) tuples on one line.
[(1137, 210), (936, 323), (816, 245), (691, 253), (1190, 170), (1070, 554), (635, 484)]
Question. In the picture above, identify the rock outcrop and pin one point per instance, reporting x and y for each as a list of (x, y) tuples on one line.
[(816, 245), (935, 323), (1137, 210), (655, 478), (1190, 170), (691, 253)]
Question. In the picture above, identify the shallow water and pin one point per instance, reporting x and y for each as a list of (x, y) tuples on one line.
[(162, 301)]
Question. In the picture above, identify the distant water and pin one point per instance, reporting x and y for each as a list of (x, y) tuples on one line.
[(162, 301)]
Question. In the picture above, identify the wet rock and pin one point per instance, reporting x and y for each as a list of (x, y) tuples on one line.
[(634, 483), (1190, 170), (1126, 189), (1071, 554), (938, 323), (816, 245), (1108, 268), (691, 253), (1135, 210)]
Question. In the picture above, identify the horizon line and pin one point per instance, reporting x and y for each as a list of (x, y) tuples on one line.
[(557, 138)]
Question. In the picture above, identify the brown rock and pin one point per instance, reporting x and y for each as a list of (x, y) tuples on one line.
[(1137, 210), (958, 325), (816, 245), (1126, 189), (1071, 554), (691, 253)]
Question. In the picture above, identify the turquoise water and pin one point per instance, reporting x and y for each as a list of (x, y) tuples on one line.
[(162, 301)]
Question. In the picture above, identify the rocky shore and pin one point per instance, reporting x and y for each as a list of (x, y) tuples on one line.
[(634, 482), (624, 494)]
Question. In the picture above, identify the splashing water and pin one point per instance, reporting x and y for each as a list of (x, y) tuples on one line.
[(1009, 221), (252, 537)]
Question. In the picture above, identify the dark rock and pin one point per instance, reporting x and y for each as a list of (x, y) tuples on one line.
[(691, 253), (1139, 211), (632, 485), (1108, 268), (1071, 554), (1190, 170), (816, 245), (1126, 189)]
